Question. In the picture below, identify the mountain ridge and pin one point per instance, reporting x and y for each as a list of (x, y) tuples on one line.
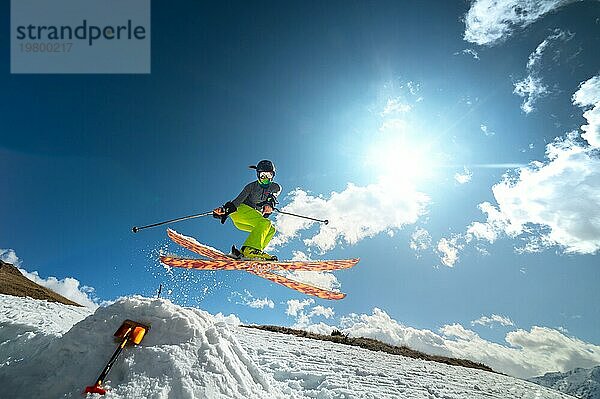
[(580, 382), (13, 282)]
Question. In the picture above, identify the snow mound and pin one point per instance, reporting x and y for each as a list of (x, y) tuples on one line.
[(185, 354)]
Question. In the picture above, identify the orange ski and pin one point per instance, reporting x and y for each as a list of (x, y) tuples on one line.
[(234, 264), (220, 261)]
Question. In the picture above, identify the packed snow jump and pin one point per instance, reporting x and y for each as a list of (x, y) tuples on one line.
[(250, 212)]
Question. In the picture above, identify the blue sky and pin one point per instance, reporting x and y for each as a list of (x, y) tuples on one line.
[(400, 122)]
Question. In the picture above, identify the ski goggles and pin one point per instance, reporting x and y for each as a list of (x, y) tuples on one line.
[(266, 175)]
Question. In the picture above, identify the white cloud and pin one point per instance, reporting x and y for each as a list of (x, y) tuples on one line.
[(248, 299), (67, 287), (9, 256), (556, 202), (303, 318), (414, 88), (532, 88), (379, 325), (318, 328), (231, 320), (354, 214), (420, 240), (494, 319), (489, 22), (528, 353), (261, 303), (395, 106), (323, 280), (588, 97), (295, 307), (496, 224), (486, 130), (465, 177), (449, 249), (468, 51), (301, 256), (322, 311)]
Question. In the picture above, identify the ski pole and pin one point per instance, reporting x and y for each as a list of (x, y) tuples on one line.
[(136, 229), (300, 216)]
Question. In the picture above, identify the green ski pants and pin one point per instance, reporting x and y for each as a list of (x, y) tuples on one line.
[(260, 228)]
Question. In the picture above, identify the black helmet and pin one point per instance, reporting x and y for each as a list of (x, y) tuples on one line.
[(265, 172), (264, 166)]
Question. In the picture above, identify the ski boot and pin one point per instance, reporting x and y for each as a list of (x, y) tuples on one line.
[(235, 253), (256, 254)]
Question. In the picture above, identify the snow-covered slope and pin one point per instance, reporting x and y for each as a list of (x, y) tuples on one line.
[(330, 370), (189, 354), (582, 383), (186, 354)]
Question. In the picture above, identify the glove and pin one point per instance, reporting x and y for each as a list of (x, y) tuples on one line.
[(268, 206), (224, 211), (267, 210)]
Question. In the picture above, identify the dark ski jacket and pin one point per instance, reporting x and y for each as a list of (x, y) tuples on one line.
[(256, 197)]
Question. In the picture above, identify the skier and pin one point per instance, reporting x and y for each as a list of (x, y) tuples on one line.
[(250, 210)]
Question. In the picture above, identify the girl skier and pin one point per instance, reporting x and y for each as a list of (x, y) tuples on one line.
[(250, 209)]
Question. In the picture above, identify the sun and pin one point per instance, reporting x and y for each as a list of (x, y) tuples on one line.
[(399, 158)]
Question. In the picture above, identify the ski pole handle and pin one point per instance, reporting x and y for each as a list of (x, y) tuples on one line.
[(325, 221), (136, 229)]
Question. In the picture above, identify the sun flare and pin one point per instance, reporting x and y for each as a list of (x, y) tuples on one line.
[(399, 159)]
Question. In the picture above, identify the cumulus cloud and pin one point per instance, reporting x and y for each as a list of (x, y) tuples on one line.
[(534, 352), (555, 202), (355, 213), (563, 195), (492, 320), (464, 177), (318, 328), (303, 318), (9, 256), (496, 224), (525, 354), (68, 287), (324, 280), (588, 97), (489, 22), (295, 306), (532, 87), (379, 325), (322, 311), (231, 320), (448, 248), (261, 303), (420, 240), (248, 299)]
